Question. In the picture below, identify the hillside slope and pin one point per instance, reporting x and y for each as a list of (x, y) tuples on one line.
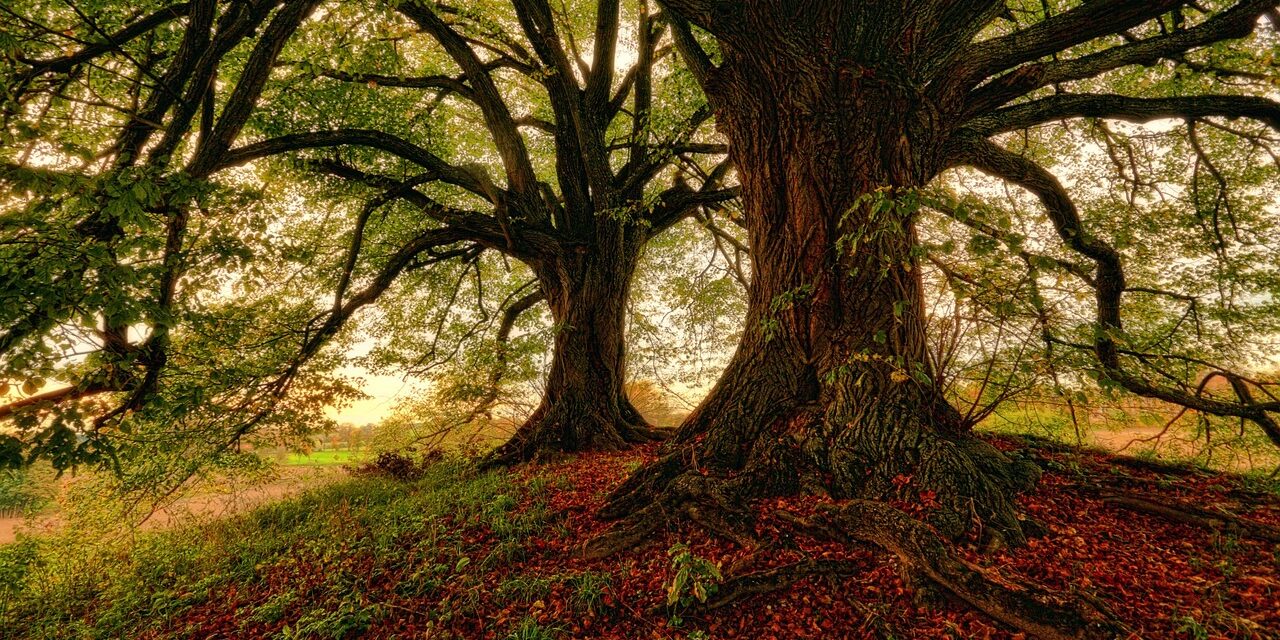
[(458, 555)]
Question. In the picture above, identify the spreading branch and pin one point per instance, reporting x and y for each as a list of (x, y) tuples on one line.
[(1109, 286), (1237, 22), (1126, 108)]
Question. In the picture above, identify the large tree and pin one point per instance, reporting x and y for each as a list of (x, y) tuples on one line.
[(466, 131), (842, 119), (114, 120), (578, 214)]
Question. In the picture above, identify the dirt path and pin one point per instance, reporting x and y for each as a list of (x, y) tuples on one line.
[(211, 504), (9, 529)]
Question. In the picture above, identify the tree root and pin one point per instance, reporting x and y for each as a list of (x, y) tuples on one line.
[(669, 491), (704, 500), (736, 588), (637, 433), (1189, 514), (1023, 607), (541, 437)]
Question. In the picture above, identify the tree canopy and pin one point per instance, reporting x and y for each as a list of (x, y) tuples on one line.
[(202, 196), (945, 204)]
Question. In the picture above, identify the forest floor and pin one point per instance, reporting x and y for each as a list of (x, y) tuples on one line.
[(456, 555)]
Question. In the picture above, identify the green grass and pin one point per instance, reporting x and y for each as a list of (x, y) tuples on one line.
[(21, 492), (325, 458), (529, 629), (75, 585)]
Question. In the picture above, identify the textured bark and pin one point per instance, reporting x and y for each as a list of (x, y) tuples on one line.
[(829, 389), (584, 405)]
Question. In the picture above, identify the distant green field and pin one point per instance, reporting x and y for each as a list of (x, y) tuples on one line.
[(322, 458)]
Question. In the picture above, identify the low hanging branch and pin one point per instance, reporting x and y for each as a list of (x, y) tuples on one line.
[(990, 158), (512, 313), (147, 147), (1186, 513)]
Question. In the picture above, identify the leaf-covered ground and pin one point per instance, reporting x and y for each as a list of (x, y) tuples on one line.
[(459, 556)]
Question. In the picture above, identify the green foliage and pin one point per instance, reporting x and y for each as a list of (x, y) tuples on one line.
[(1192, 628), (529, 629), (770, 324), (21, 491), (525, 588), (222, 282), (277, 607), (589, 588), (695, 579), (351, 617)]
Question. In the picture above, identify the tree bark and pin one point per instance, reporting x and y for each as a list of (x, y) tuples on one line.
[(584, 405), (830, 389)]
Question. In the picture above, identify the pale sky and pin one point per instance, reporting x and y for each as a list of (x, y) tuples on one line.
[(384, 393)]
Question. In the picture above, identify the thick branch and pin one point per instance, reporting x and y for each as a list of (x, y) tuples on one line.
[(253, 77), (678, 204), (56, 396), (714, 16), (695, 58), (111, 43), (602, 59), (372, 138), (1081, 24), (443, 82), (1118, 107), (1237, 22), (522, 242), (521, 178)]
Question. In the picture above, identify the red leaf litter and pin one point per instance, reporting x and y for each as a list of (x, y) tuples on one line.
[(1161, 579)]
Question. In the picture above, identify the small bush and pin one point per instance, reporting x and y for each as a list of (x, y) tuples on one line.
[(696, 579), (398, 466)]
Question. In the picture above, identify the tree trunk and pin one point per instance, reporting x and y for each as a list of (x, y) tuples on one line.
[(830, 389), (584, 406)]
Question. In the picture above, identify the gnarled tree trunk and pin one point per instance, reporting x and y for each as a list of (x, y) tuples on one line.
[(830, 388), (584, 405)]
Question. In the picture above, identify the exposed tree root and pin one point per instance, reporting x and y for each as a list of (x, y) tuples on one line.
[(1023, 607), (973, 484), (707, 501), (715, 503), (735, 588), (1189, 514), (550, 433)]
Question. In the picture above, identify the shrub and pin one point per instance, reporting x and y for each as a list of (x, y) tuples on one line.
[(696, 579), (390, 464)]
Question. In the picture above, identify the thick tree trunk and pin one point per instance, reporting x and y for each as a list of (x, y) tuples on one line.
[(584, 405), (830, 389)]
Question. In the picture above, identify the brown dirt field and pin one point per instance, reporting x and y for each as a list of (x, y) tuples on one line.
[(203, 505)]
